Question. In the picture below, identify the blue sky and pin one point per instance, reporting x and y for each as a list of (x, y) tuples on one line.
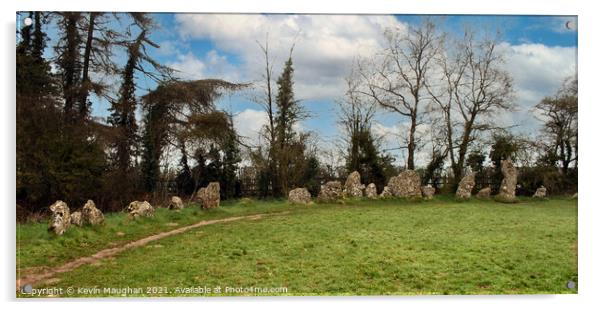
[(540, 50)]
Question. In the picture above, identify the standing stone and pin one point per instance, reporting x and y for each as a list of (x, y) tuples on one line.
[(91, 215), (508, 187), (371, 191), (176, 203), (428, 192), (465, 187), (406, 185), (199, 195), (138, 209), (354, 186), (60, 219), (209, 196), (484, 192), (299, 195), (76, 218), (540, 192), (386, 193), (331, 191)]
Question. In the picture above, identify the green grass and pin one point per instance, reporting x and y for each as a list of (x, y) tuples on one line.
[(361, 248), (38, 248)]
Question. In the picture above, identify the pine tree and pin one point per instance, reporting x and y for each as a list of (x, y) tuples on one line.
[(55, 160), (69, 60), (153, 140), (123, 117)]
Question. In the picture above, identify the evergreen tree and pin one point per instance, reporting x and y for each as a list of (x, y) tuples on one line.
[(475, 161), (311, 172), (432, 172), (69, 60), (100, 39), (367, 160), (24, 46), (231, 159), (289, 112), (55, 160), (186, 181), (123, 117), (153, 139)]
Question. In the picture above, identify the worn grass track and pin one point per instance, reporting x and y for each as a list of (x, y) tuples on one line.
[(368, 248), (35, 278), (38, 251)]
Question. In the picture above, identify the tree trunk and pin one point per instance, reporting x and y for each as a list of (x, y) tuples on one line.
[(450, 138), (459, 167), (70, 65), (412, 143), (85, 88)]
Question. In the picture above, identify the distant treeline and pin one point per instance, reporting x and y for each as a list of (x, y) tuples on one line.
[(452, 87)]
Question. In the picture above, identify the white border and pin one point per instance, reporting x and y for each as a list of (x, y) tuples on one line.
[(590, 114), (312, 6)]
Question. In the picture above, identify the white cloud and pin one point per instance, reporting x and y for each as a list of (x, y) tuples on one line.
[(248, 124), (392, 138), (391, 134), (325, 45), (211, 65), (188, 66), (167, 48), (537, 67), (538, 71)]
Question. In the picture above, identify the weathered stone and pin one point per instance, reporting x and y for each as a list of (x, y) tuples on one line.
[(331, 191), (484, 192), (507, 191), (138, 209), (371, 191), (428, 192), (60, 219), (354, 186), (464, 190), (76, 218), (386, 193), (176, 203), (199, 195), (92, 215), (540, 192), (209, 196), (406, 185), (299, 195)]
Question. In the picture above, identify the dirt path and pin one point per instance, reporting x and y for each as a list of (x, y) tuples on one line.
[(47, 274)]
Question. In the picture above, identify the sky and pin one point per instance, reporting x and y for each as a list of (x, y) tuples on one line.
[(540, 51)]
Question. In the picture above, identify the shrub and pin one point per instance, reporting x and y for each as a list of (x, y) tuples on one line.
[(530, 178)]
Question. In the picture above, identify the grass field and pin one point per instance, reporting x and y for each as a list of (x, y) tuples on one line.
[(363, 247)]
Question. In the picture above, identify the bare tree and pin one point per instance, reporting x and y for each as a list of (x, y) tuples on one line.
[(267, 102), (559, 114), (282, 112), (473, 86), (397, 81), (355, 116), (268, 105)]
